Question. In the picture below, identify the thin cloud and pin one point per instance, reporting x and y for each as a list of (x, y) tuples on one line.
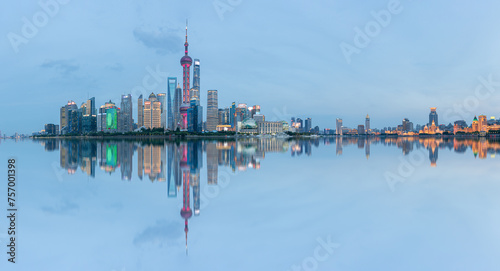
[(64, 66), (163, 40)]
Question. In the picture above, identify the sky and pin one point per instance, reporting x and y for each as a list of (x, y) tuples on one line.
[(320, 59)]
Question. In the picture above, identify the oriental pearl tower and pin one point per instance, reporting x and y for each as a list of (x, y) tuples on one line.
[(186, 62)]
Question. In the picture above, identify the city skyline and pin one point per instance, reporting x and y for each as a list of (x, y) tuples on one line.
[(395, 76)]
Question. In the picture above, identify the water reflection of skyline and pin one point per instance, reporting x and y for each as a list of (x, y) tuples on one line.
[(160, 160), (179, 163)]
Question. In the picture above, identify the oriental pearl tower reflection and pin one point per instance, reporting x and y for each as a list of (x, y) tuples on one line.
[(186, 211)]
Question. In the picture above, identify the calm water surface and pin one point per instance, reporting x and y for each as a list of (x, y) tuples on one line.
[(268, 204)]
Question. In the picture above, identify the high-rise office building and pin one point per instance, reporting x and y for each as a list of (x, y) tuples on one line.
[(156, 114), (308, 125), (177, 107), (195, 117), (367, 123), (232, 114), (171, 84), (126, 121), (89, 116), (62, 118), (212, 110), (338, 126), (196, 74), (407, 125), (140, 112), (147, 114), (433, 116), (65, 118), (253, 110), (161, 97), (152, 112)]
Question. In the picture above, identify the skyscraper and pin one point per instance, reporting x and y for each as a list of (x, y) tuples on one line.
[(171, 84), (196, 75), (126, 121), (232, 115), (433, 116), (89, 116), (212, 110), (161, 97), (367, 123), (62, 118), (152, 112), (147, 114), (308, 125), (140, 112), (339, 126), (65, 117)]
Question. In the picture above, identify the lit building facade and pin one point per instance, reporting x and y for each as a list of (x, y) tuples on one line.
[(140, 112), (338, 125), (212, 110), (433, 116), (270, 127), (367, 124), (126, 122), (162, 97), (171, 84)]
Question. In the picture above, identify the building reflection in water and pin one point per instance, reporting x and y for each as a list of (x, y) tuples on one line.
[(176, 162), (179, 163)]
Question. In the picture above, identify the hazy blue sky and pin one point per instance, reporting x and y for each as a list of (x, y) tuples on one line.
[(283, 55)]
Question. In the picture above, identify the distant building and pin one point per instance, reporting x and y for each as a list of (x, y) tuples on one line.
[(171, 84), (461, 124), (212, 110), (152, 112), (162, 98), (50, 129), (195, 116), (140, 112), (367, 123), (361, 129), (299, 125), (259, 117), (308, 125), (270, 127), (475, 125), (196, 75), (433, 116), (89, 116), (483, 123), (253, 110), (126, 122), (407, 125), (338, 126), (65, 116)]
